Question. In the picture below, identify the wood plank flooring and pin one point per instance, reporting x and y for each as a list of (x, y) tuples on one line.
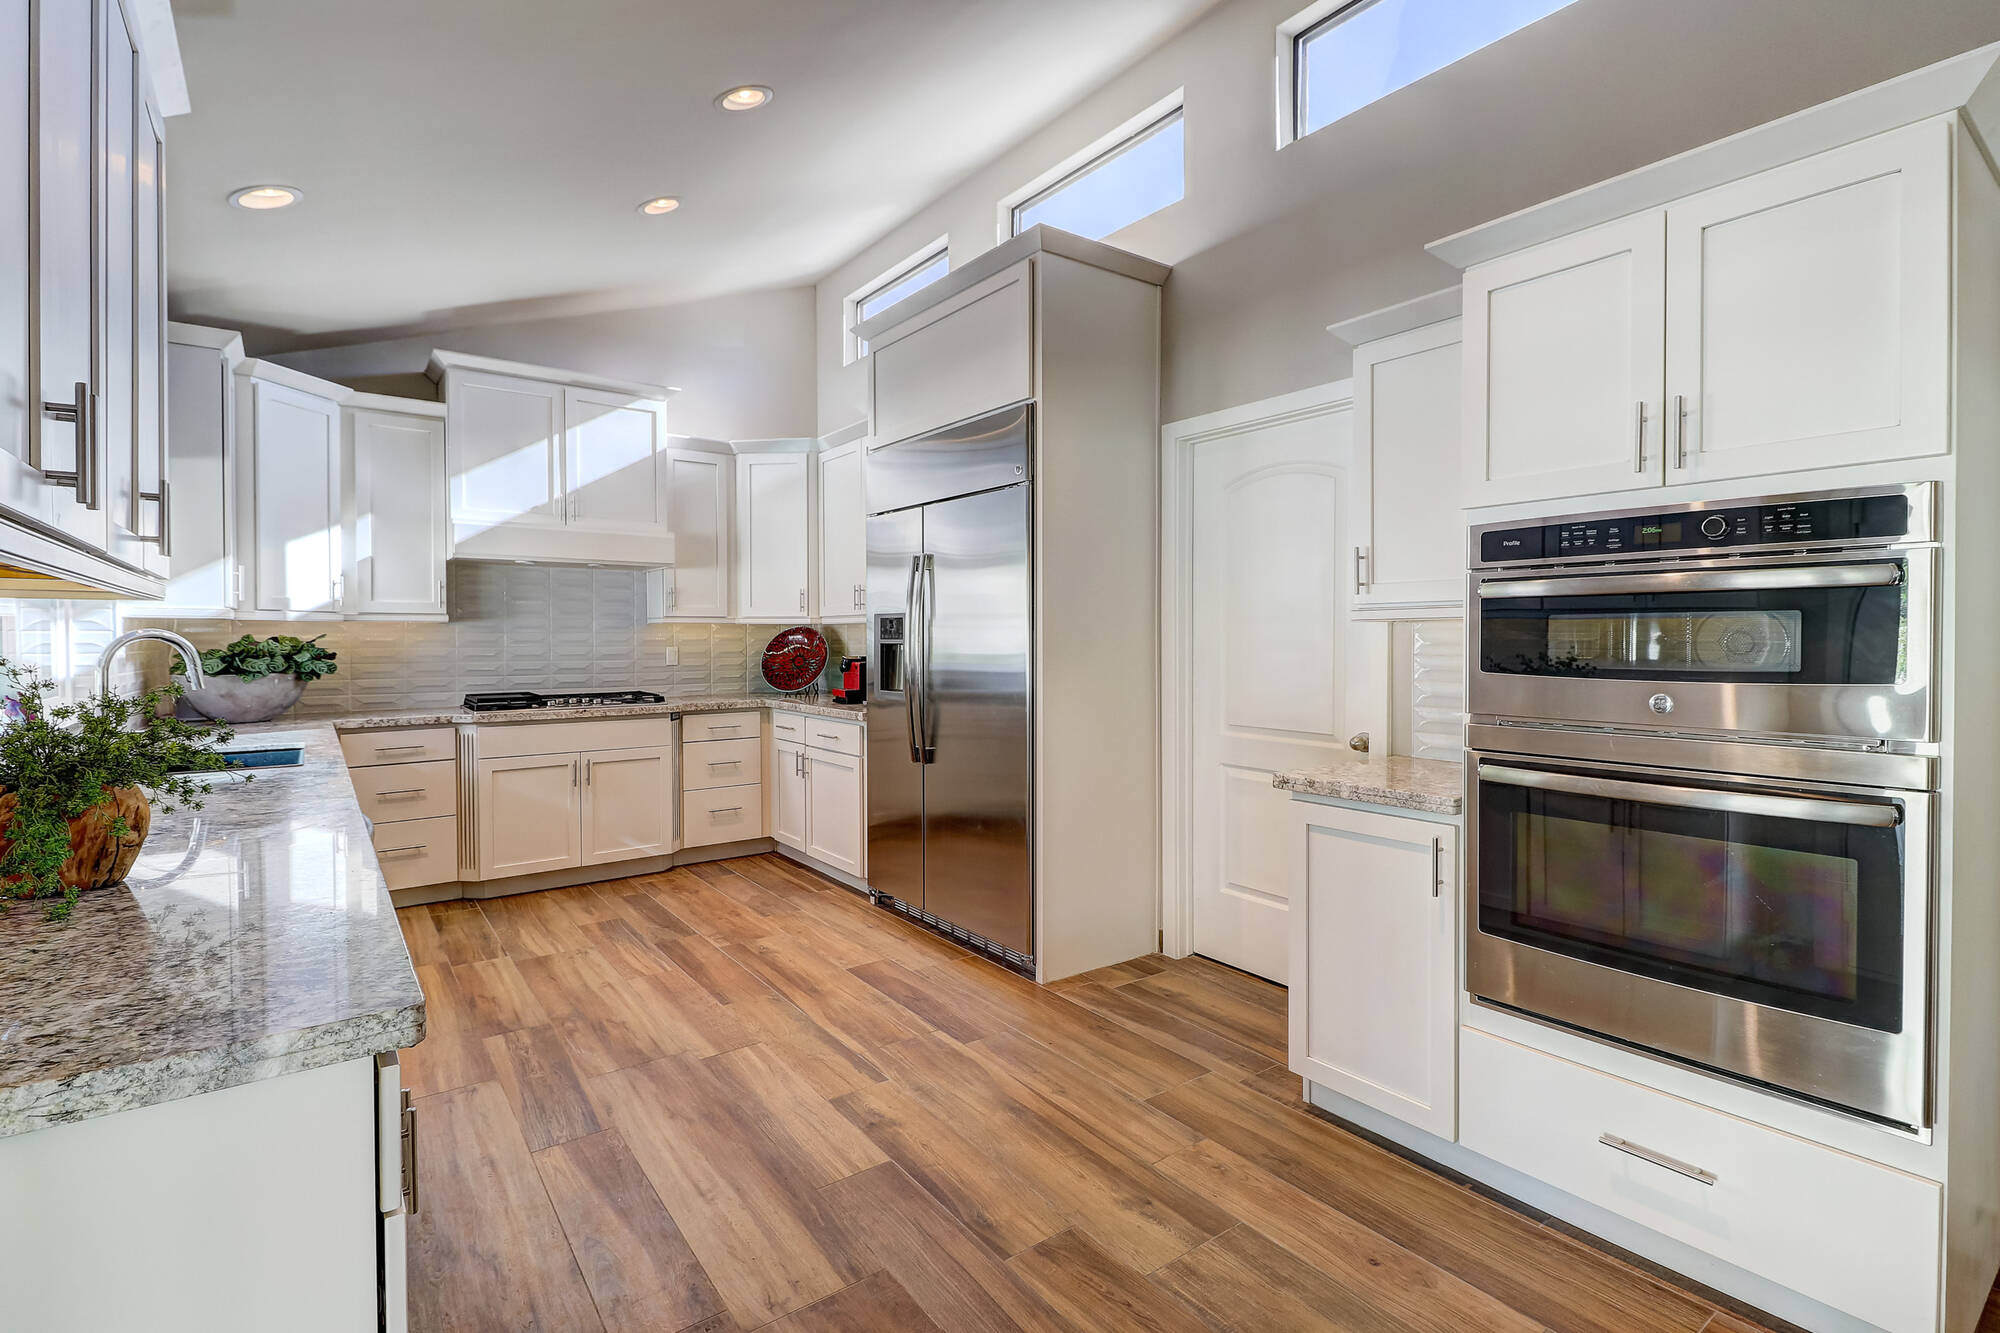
[(736, 1096)]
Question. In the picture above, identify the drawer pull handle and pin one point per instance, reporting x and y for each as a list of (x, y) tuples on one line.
[(725, 726), (725, 810), (726, 763), (399, 851), (828, 735), (395, 749), (402, 791), (1660, 1159)]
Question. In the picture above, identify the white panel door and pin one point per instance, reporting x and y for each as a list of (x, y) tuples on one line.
[(698, 513), (65, 278), (1564, 361), (773, 520), (1408, 526), (295, 501), (843, 535), (1269, 599), (117, 272), (788, 793), (628, 804), (398, 522), (1374, 989), (22, 489), (527, 814), (835, 809), (154, 516), (505, 441), (612, 469), (1809, 312), (199, 409)]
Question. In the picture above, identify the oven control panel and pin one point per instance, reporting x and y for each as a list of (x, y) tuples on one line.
[(1788, 523)]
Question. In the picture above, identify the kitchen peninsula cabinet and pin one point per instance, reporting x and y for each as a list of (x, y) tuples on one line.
[(819, 800)]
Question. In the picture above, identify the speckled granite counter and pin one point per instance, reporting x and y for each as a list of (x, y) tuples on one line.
[(253, 938), (815, 705), (1433, 786)]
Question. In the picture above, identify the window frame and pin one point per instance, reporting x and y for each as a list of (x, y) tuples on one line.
[(852, 347), (1099, 151)]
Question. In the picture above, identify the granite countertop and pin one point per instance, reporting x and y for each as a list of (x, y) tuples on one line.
[(1433, 786), (815, 705), (253, 938)]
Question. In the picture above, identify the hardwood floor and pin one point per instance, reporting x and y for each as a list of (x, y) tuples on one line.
[(736, 1096)]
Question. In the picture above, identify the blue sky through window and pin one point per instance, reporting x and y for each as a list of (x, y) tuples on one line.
[(1116, 191), (918, 278), (1375, 48)]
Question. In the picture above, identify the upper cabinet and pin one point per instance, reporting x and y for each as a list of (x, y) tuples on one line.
[(1408, 533), (551, 465), (843, 527), (395, 534), (699, 514), (289, 426), (201, 415), (1795, 317), (964, 356), (774, 529)]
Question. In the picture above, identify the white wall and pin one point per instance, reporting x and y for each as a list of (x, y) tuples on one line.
[(743, 363), (1271, 246)]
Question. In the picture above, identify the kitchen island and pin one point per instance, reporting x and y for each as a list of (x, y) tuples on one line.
[(198, 1120)]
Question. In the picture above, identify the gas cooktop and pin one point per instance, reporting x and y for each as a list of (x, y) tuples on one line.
[(508, 701)]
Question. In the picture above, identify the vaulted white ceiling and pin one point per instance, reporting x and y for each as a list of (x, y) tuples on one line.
[(467, 159)]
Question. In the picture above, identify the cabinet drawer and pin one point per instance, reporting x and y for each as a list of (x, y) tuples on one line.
[(789, 726), (390, 793), (407, 745), (707, 764), (720, 726), (1858, 1236), (722, 814), (418, 852), (510, 740), (839, 737)]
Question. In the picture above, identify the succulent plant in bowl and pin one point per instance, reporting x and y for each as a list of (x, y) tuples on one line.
[(254, 680)]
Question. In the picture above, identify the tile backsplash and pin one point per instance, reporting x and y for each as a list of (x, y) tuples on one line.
[(514, 627)]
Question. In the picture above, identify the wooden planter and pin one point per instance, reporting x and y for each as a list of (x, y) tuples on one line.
[(96, 858)]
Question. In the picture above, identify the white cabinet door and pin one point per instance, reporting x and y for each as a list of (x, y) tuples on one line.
[(697, 587), (504, 437), (612, 468), (1408, 528), (966, 355), (628, 804), (1809, 312), (1564, 365), (773, 515), (65, 310), (200, 412), (843, 540), (527, 814), (294, 501), (834, 815), (1374, 978), (788, 793), (154, 515), (397, 527), (22, 489), (119, 76)]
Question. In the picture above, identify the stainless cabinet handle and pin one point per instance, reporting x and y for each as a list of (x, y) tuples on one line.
[(402, 791), (1812, 809), (399, 851), (725, 763), (1437, 866), (164, 497), (802, 599), (1660, 1159), (827, 736), (1360, 569), (572, 775), (83, 415), (725, 726), (725, 810), (409, 1154), (1639, 463), (395, 749), (1680, 431), (586, 772)]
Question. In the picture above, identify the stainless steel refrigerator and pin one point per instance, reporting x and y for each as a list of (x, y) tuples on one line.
[(950, 638)]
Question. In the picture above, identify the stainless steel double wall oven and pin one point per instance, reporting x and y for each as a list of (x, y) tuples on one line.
[(1703, 770)]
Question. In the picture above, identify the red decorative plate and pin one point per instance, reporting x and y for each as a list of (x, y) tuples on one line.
[(794, 658)]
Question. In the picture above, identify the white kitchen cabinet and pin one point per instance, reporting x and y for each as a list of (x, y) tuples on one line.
[(1374, 978), (1408, 532), (835, 809), (1808, 312), (291, 428), (205, 577), (528, 808), (119, 74), (843, 531), (628, 804), (788, 794), (966, 355), (773, 530), (152, 512), (696, 586), (397, 532), (23, 491), (552, 465), (1564, 352)]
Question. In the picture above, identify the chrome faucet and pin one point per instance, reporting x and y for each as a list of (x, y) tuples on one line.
[(190, 656)]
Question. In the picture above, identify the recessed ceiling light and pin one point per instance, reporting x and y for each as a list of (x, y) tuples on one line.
[(653, 208), (261, 197), (746, 98)]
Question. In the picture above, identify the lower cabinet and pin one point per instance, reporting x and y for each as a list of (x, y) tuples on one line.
[(528, 808), (1374, 987), (627, 804), (406, 782), (788, 794), (833, 809), (818, 800)]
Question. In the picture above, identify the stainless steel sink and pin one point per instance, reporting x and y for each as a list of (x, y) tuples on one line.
[(238, 764)]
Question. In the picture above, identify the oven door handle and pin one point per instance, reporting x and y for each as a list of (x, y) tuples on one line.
[(1814, 808), (1777, 579)]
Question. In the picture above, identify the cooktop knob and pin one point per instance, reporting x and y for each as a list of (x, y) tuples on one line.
[(1714, 526)]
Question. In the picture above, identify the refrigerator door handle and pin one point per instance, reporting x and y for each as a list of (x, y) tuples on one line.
[(928, 594), (913, 661)]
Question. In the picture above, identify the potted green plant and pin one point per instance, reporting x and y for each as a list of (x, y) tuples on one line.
[(75, 780), (254, 680)]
